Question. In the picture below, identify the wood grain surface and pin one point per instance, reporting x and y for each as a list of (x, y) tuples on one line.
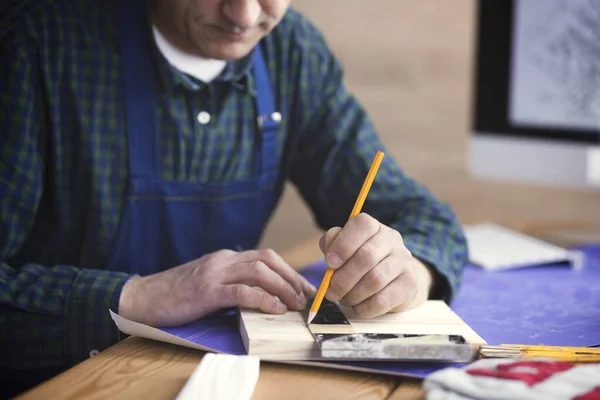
[(409, 389), (140, 368)]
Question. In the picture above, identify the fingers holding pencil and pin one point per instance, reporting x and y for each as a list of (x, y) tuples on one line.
[(374, 272)]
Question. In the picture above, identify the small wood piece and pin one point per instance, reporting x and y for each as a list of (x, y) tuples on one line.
[(222, 376), (330, 319), (287, 337)]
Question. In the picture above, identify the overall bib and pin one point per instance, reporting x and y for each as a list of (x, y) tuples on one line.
[(168, 223)]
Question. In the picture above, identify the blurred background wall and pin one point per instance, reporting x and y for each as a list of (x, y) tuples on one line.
[(409, 62)]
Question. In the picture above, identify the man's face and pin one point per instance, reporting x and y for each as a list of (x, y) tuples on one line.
[(218, 29)]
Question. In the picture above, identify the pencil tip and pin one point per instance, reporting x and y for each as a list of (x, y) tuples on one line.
[(311, 316)]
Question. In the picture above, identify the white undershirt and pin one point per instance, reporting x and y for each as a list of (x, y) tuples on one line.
[(203, 69)]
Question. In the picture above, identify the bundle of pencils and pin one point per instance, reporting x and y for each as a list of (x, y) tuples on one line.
[(554, 353)]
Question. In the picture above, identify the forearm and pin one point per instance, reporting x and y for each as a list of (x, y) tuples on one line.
[(56, 316)]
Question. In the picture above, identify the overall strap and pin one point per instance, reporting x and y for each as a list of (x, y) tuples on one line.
[(140, 99), (268, 119)]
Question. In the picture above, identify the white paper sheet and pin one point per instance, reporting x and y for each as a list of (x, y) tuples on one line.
[(222, 377)]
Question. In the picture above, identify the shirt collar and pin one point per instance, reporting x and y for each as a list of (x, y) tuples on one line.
[(169, 78)]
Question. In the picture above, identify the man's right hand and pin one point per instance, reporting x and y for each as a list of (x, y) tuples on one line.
[(257, 279)]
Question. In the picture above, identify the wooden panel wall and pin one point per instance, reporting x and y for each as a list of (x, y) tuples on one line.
[(410, 62)]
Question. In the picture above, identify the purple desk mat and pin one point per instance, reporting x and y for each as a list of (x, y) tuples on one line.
[(550, 305)]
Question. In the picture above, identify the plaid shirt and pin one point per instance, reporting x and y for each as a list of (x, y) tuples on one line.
[(64, 164)]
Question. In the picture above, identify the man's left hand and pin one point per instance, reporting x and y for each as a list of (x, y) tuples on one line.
[(374, 272)]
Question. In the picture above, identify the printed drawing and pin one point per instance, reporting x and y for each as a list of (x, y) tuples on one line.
[(556, 63)]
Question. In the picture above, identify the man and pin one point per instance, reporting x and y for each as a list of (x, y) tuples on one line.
[(144, 147)]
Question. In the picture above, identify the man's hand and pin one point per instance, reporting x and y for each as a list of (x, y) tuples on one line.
[(375, 272), (258, 279)]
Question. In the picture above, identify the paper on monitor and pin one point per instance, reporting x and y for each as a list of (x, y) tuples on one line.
[(555, 64)]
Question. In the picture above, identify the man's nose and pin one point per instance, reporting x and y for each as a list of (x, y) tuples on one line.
[(243, 13)]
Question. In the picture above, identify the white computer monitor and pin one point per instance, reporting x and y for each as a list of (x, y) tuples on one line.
[(536, 94)]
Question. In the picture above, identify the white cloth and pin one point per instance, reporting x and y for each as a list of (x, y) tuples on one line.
[(505, 379), (203, 69)]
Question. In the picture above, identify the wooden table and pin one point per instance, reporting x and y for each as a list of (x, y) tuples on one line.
[(137, 367), (141, 368)]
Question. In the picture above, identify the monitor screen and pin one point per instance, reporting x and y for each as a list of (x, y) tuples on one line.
[(537, 90), (555, 65)]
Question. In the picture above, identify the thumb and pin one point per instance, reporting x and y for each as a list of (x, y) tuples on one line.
[(328, 238)]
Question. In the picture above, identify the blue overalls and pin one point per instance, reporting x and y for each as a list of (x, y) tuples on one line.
[(168, 223)]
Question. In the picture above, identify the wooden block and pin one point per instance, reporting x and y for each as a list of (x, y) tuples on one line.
[(287, 337)]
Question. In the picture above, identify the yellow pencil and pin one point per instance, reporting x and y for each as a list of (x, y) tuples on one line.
[(555, 353), (541, 348), (355, 211), (558, 356)]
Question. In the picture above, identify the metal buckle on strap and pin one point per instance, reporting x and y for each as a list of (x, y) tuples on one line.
[(276, 117)]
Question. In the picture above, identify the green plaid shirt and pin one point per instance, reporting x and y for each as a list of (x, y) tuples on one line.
[(64, 164)]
